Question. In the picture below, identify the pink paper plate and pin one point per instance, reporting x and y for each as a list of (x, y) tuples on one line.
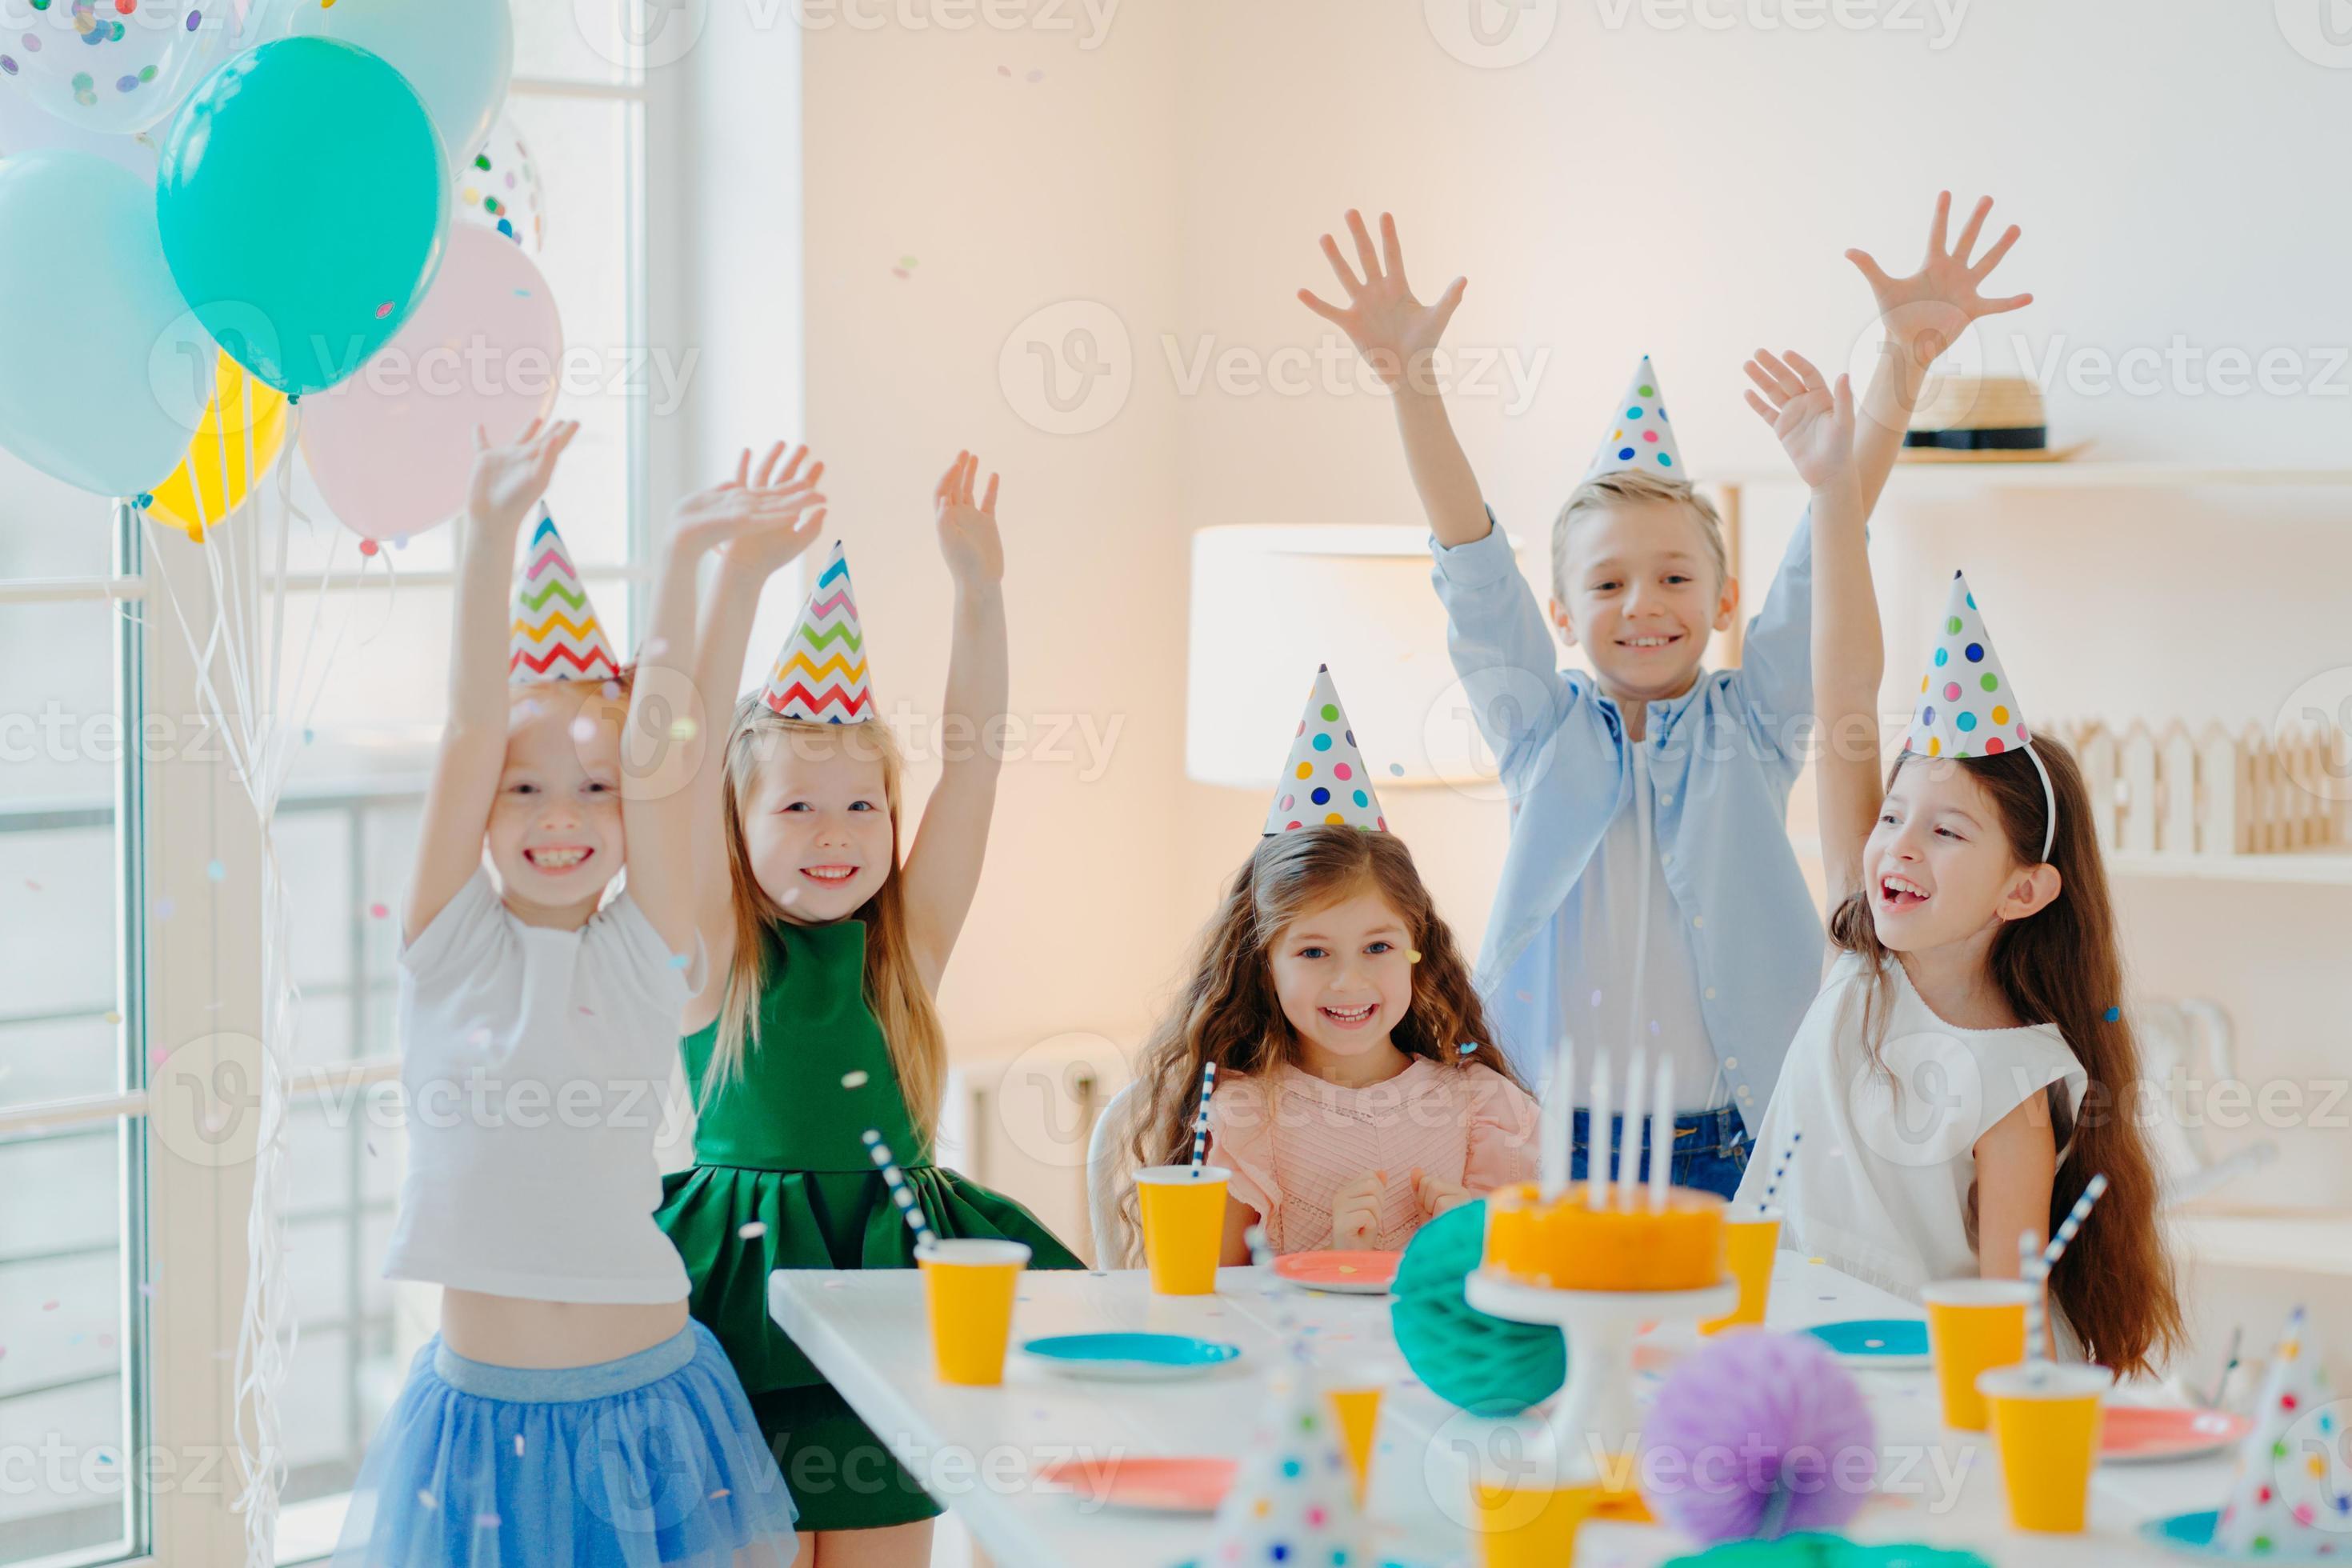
[(1160, 1486), (2148, 1432), (1350, 1273)]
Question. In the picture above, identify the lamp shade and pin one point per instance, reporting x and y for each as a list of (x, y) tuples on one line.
[(1272, 601)]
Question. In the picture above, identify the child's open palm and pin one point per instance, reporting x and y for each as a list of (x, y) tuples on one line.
[(1813, 419), (508, 479), (1925, 312), (757, 522), (1393, 331), (968, 536)]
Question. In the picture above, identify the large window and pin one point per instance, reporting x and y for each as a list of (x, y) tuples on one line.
[(129, 926)]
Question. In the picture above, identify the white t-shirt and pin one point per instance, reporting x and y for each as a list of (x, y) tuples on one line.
[(1599, 927), (1880, 1184), (536, 1063)]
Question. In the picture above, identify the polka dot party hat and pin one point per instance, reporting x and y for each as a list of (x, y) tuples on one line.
[(2293, 1495), (1639, 436), (1326, 780), (1293, 1498), (820, 675), (1966, 707), (555, 635)]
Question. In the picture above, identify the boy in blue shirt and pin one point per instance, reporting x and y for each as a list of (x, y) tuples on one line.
[(1649, 897)]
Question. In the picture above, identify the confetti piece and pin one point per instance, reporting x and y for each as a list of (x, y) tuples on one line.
[(583, 729), (1004, 70), (717, 1495), (907, 262), (1467, 1046), (216, 871), (49, 1306), (426, 1501), (1396, 770), (792, 895), (677, 961), (684, 729), (2115, 1014), (147, 1291), (833, 1284), (36, 887), (162, 909), (900, 272), (1596, 998), (854, 1079), (613, 690), (378, 910), (517, 1445), (486, 1522), (587, 1012), (369, 547), (112, 1016), (752, 1231), (655, 647), (1036, 76), (1817, 1261)]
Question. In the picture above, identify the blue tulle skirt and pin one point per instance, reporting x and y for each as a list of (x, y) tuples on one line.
[(651, 1461)]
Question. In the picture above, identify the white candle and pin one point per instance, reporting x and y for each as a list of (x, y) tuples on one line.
[(1557, 1154), (1629, 1178), (1661, 1135), (1598, 1140)]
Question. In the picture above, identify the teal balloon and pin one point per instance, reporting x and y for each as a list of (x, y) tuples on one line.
[(103, 372), (457, 54), (302, 200)]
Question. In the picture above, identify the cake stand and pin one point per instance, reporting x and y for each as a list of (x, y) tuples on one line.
[(1600, 1326)]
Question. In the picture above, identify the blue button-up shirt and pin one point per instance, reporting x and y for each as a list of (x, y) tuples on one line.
[(1723, 757)]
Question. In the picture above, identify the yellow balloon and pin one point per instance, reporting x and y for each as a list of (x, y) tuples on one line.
[(211, 480)]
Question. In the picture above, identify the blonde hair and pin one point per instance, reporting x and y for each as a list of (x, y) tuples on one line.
[(894, 985), (1604, 490)]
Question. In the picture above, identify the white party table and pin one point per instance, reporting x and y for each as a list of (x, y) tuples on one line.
[(978, 1449)]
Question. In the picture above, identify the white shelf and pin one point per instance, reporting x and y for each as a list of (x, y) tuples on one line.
[(1958, 478), (2331, 868), (2318, 1242)]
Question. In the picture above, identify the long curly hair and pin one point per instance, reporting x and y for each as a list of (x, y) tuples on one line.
[(1227, 1011), (2063, 966)]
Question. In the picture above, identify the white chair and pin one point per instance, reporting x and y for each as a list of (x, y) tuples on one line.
[(1108, 1176)]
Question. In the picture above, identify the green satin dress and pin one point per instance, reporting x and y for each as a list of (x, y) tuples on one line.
[(782, 1147)]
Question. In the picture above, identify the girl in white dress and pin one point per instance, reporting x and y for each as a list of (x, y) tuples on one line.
[(1967, 1067)]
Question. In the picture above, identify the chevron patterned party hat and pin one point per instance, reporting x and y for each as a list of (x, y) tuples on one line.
[(1325, 780), (2292, 1496), (1966, 707), (820, 675), (555, 636), (1639, 436)]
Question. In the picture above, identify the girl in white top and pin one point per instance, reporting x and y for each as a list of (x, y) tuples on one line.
[(567, 1411), (1966, 1069)]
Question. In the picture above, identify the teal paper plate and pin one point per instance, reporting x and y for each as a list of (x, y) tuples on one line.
[(2192, 1535), (1883, 1342), (1130, 1358)]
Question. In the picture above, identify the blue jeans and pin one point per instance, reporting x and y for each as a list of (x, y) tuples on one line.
[(1711, 1149)]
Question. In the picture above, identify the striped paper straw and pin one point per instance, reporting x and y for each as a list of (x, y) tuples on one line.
[(2072, 1222), (1201, 1118), (2028, 1269), (900, 1193), (1788, 1153)]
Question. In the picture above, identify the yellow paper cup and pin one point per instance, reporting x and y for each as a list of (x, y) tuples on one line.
[(1529, 1525), (1751, 1237), (1358, 1409), (1973, 1326), (1184, 1225), (2048, 1434), (969, 1287)]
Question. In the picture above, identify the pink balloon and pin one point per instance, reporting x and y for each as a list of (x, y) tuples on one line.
[(391, 447)]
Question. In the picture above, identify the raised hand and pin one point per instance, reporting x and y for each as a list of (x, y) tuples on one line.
[(968, 536), (1813, 419), (1925, 312), (509, 478), (1356, 1212), (1393, 331), (758, 521)]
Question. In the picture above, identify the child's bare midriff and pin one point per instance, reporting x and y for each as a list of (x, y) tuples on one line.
[(509, 1331)]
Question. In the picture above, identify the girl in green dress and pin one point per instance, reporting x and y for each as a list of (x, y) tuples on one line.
[(818, 1021)]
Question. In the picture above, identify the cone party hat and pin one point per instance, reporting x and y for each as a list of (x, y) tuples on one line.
[(1966, 707), (1639, 437), (1325, 780), (820, 675), (555, 635), (2293, 1496)]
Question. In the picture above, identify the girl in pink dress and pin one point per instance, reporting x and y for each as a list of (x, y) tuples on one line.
[(1359, 1092)]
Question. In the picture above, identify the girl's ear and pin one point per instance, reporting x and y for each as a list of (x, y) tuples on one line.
[(2033, 890)]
